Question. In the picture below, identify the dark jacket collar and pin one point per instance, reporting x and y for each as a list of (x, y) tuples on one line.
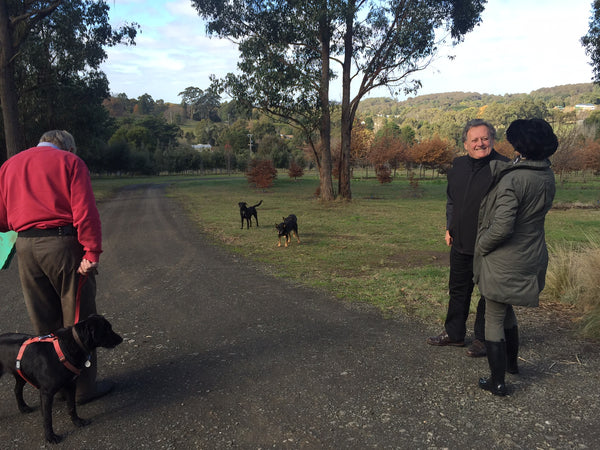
[(485, 160)]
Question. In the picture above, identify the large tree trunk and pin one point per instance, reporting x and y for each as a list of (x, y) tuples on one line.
[(347, 116), (325, 177), (14, 136)]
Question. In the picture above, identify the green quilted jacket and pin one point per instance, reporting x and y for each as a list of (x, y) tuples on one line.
[(511, 257)]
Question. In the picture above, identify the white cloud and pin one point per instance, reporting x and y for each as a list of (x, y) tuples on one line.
[(182, 8), (171, 53), (519, 47)]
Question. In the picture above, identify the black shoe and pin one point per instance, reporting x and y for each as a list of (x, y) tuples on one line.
[(496, 389), (496, 356), (102, 388)]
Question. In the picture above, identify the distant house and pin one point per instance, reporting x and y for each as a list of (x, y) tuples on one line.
[(202, 147), (585, 106)]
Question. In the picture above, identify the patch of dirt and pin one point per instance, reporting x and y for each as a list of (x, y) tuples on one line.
[(557, 317), (576, 205)]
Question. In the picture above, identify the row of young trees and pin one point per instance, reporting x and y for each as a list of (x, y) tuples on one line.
[(151, 144), (394, 147), (391, 150), (154, 143), (579, 147)]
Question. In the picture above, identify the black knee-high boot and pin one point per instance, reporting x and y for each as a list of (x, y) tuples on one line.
[(512, 349), (496, 354)]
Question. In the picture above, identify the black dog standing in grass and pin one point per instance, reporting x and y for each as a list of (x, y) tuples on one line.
[(286, 228), (246, 213)]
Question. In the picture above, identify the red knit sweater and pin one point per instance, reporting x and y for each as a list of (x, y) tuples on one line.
[(44, 187)]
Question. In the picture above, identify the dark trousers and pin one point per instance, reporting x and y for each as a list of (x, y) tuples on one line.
[(461, 286)]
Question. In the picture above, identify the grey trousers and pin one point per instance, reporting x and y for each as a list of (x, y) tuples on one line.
[(498, 317), (54, 292)]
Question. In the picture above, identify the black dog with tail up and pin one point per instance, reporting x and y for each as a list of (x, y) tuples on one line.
[(246, 213), (52, 363)]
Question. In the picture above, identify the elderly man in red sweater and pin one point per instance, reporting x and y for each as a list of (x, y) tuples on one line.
[(46, 197)]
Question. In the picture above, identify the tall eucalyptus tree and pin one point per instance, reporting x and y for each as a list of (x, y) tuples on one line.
[(50, 54), (591, 41), (292, 50)]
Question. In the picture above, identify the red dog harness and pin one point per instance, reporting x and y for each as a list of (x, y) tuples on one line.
[(61, 356)]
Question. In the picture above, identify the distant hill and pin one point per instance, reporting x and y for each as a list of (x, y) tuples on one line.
[(566, 96)]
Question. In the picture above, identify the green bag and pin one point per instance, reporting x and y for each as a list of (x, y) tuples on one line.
[(7, 248)]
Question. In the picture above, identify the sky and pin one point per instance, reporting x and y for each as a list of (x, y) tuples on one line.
[(520, 46)]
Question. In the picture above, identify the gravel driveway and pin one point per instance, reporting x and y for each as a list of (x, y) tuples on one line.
[(218, 354)]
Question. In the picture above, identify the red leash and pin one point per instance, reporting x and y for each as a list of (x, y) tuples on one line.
[(80, 284)]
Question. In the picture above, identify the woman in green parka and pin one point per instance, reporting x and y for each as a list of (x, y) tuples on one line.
[(511, 257)]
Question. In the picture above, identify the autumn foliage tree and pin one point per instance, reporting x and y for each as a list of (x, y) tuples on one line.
[(504, 148), (590, 156), (295, 171), (388, 149), (567, 156), (434, 153), (384, 173), (362, 139), (261, 173)]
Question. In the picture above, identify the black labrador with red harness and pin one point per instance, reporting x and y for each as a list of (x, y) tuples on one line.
[(52, 363)]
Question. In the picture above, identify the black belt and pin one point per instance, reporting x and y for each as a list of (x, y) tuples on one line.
[(65, 230)]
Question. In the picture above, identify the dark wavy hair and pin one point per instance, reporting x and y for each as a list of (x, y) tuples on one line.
[(532, 138)]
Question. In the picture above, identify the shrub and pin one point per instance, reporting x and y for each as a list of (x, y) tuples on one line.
[(561, 277), (384, 173), (573, 278), (295, 171), (261, 173)]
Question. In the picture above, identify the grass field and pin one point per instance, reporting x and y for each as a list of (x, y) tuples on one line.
[(386, 247)]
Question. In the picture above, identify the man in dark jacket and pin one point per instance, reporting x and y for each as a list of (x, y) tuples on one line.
[(468, 181)]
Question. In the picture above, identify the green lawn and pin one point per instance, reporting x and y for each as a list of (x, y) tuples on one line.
[(386, 247)]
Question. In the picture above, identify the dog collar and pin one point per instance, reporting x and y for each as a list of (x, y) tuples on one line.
[(87, 363)]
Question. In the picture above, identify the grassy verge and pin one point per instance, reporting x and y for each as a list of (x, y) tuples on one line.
[(386, 247), (375, 249)]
